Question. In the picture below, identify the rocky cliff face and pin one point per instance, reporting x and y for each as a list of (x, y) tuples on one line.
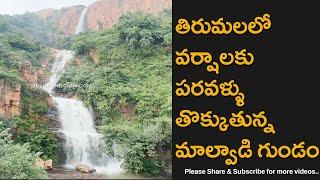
[(28, 73), (9, 99), (101, 14), (105, 13), (65, 19), (31, 75), (10, 93)]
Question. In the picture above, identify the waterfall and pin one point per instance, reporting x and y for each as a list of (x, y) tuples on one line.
[(61, 59), (81, 23), (83, 143)]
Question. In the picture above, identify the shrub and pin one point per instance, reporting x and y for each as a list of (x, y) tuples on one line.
[(16, 161)]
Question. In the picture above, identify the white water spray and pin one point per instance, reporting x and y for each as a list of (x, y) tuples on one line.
[(81, 23), (83, 143)]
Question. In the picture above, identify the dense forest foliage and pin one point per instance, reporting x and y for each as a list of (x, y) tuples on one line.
[(16, 50), (23, 137), (128, 68)]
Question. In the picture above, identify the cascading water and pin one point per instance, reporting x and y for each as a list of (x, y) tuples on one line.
[(81, 23), (61, 59), (83, 143)]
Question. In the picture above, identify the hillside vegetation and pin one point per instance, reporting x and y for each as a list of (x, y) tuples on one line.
[(16, 160), (32, 27), (23, 137)]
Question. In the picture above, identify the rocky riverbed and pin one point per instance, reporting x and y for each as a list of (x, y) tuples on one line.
[(62, 173)]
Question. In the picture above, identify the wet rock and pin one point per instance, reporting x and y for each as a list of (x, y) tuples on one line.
[(63, 173), (84, 168), (53, 117), (61, 150), (55, 125)]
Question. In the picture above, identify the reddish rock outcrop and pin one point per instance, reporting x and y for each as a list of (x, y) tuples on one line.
[(9, 99), (65, 19), (46, 13), (31, 75), (101, 14), (41, 73), (28, 73), (105, 13)]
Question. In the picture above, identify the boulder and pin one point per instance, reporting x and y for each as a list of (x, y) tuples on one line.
[(84, 168), (48, 164), (45, 164)]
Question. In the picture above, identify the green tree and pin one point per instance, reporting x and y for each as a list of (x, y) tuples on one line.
[(16, 161)]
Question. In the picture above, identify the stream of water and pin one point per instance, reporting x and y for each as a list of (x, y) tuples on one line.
[(83, 143), (81, 23)]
